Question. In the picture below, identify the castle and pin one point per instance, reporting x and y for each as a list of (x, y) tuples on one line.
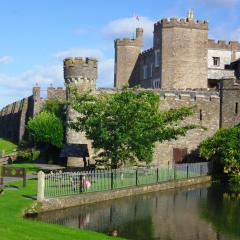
[(184, 67)]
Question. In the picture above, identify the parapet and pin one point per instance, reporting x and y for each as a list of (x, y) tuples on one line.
[(189, 95), (70, 62), (220, 44), (80, 68), (147, 52), (128, 42), (181, 23), (134, 42), (56, 93)]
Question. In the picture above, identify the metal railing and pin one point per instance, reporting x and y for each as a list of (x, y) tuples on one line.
[(72, 183)]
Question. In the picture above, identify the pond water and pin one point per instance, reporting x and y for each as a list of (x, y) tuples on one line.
[(199, 213)]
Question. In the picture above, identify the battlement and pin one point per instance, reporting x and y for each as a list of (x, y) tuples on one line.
[(220, 44), (70, 62), (79, 68), (128, 42), (189, 95), (56, 93), (135, 42), (181, 23), (147, 52)]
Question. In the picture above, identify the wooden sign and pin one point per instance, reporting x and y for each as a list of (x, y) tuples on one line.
[(14, 173)]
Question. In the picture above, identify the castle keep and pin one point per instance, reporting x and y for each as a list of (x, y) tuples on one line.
[(184, 67)]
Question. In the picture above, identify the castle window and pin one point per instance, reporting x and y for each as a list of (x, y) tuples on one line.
[(236, 108), (157, 58), (156, 84), (151, 70), (145, 72), (216, 61)]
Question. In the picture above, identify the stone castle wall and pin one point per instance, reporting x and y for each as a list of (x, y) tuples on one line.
[(13, 119), (206, 110)]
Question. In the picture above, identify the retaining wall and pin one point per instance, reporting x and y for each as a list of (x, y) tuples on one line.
[(72, 201)]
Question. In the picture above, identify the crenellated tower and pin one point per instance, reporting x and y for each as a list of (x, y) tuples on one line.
[(81, 73), (183, 47), (126, 59)]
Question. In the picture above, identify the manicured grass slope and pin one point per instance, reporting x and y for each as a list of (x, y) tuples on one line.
[(7, 146), (14, 227)]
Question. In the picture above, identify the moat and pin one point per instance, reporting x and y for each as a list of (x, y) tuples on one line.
[(200, 212)]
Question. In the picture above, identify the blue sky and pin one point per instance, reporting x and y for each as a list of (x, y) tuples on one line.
[(37, 35)]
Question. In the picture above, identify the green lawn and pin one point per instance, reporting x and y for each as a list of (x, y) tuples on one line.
[(7, 146), (14, 227)]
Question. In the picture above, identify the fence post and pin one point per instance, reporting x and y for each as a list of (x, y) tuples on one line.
[(174, 172), (157, 175), (81, 183), (136, 177), (24, 178), (41, 186), (201, 170), (187, 171), (111, 179)]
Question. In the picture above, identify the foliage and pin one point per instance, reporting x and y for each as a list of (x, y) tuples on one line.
[(56, 107), (224, 149), (221, 209), (7, 146), (125, 125), (47, 128), (28, 155)]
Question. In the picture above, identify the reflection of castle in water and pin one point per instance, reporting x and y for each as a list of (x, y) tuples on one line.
[(168, 215)]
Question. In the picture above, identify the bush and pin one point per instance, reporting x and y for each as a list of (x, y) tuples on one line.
[(28, 155)]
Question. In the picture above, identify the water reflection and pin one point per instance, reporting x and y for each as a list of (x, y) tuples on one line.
[(176, 215)]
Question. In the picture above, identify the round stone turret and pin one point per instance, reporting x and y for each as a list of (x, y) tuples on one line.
[(81, 72)]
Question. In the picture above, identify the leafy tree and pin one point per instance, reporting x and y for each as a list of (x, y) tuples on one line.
[(124, 126), (55, 106), (224, 149), (47, 128)]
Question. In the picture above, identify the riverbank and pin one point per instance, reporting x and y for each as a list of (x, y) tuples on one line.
[(13, 226)]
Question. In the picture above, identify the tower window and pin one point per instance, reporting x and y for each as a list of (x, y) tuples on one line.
[(151, 70), (216, 61), (145, 72), (157, 58), (200, 115), (236, 108)]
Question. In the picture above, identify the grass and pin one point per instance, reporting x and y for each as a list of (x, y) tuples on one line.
[(30, 167), (7, 146), (14, 227)]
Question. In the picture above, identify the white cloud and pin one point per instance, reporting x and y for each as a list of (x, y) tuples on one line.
[(6, 59), (79, 52), (44, 75), (125, 27)]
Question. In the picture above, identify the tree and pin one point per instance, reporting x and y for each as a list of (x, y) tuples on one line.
[(55, 106), (125, 125), (224, 149), (47, 128)]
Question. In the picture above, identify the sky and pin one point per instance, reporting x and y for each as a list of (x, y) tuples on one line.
[(37, 35)]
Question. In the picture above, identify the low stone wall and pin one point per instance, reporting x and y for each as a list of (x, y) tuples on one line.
[(77, 200)]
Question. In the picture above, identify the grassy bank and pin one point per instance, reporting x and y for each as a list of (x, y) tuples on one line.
[(7, 146), (14, 227)]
